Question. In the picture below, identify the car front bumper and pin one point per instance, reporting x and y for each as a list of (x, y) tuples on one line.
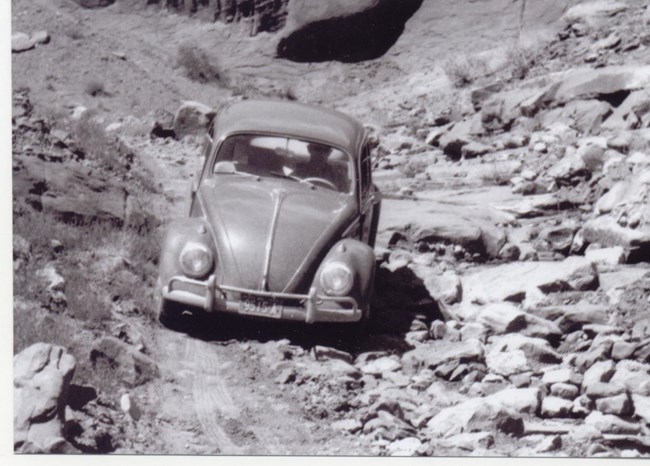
[(309, 308)]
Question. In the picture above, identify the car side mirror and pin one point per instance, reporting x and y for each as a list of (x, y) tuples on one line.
[(225, 167)]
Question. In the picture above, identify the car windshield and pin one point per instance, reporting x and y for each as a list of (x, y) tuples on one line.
[(274, 156)]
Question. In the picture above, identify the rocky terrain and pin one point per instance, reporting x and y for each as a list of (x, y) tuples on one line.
[(510, 316)]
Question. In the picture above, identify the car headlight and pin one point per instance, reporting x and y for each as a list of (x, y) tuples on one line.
[(196, 260), (336, 279)]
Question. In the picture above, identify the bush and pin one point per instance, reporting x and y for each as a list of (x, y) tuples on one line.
[(522, 58), (197, 65), (101, 147), (413, 167), (463, 70)]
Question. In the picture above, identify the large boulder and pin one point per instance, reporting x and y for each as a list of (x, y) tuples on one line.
[(511, 282), (343, 30), (587, 83), (42, 375), (625, 219), (192, 118)]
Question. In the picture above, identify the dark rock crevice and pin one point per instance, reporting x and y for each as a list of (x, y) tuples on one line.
[(362, 36)]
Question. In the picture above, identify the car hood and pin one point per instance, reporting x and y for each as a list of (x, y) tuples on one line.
[(275, 224)]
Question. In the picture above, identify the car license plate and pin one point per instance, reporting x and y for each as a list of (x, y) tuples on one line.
[(258, 306)]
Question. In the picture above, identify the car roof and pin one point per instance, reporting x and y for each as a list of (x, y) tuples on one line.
[(300, 120)]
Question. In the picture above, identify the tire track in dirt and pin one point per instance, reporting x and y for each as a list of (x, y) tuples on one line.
[(212, 398)]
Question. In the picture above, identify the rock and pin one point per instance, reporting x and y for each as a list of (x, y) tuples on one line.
[(511, 282), (610, 424), (601, 371), (587, 158), (437, 330), (607, 256), (40, 37), (475, 149), (287, 375), (20, 42), (636, 381), (502, 318), (541, 328), (562, 375), (537, 350), (606, 231), (623, 350), (440, 352), (123, 362), (474, 331), (570, 318), (71, 191), (565, 390), (521, 400), (618, 404), (459, 135), (522, 380), (582, 406), (326, 352), (129, 406), (405, 447), (559, 238), (381, 366), (42, 375), (642, 407), (553, 406), (192, 118), (347, 425), (468, 441), (476, 414), (580, 84), (549, 444), (446, 288)]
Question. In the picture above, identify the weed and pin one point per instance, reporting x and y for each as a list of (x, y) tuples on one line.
[(413, 167), (464, 69), (495, 174), (521, 59), (97, 145), (197, 65)]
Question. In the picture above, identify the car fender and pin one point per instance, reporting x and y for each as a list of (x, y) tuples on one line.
[(177, 235), (360, 258)]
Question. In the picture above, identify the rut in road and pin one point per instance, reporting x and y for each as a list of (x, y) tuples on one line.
[(212, 399)]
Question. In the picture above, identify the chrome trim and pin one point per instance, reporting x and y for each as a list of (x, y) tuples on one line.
[(278, 196)]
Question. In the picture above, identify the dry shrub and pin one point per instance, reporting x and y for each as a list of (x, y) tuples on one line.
[(97, 145), (521, 59), (197, 65), (413, 167), (464, 69), (496, 174)]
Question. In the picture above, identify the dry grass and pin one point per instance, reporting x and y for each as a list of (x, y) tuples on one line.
[(197, 65), (97, 145), (413, 167), (521, 59), (495, 174), (464, 69)]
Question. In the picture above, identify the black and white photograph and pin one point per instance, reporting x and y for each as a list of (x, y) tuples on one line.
[(328, 228)]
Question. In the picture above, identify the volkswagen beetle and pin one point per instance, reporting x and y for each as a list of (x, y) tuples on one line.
[(281, 222)]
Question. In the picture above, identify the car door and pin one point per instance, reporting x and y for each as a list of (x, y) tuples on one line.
[(196, 177), (370, 199)]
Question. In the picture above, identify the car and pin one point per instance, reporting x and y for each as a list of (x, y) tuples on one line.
[(281, 220)]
